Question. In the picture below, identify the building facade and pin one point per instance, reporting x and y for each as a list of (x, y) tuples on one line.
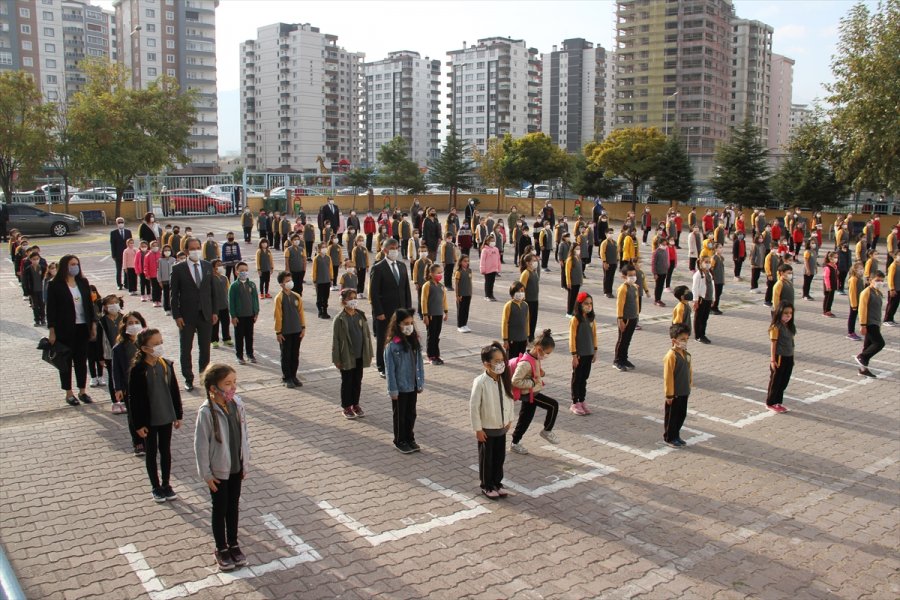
[(780, 103), (300, 95), (494, 89), (176, 38), (751, 72), (800, 115), (401, 97)]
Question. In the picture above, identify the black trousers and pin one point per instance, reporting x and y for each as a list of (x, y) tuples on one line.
[(248, 233), (718, 291), (572, 298), (646, 233), (418, 299), (166, 296), (489, 279), (37, 307), (532, 317), (131, 279), (580, 376), (297, 277), (155, 290), (669, 275), (491, 456), (872, 343), (545, 258), (770, 283), (118, 261), (203, 330), (675, 415), (225, 507), (701, 317), (851, 320), (78, 358), (462, 310), (145, 285), (309, 249), (159, 439), (290, 355), (779, 377), (448, 275), (517, 348), (369, 237), (754, 277), (433, 336), (526, 414), (404, 409), (842, 279), (738, 265), (608, 276), (659, 287), (264, 278), (827, 301), (624, 341), (243, 336), (891, 310), (95, 355), (351, 384), (692, 263), (223, 325), (807, 285), (322, 291), (379, 328), (361, 281)]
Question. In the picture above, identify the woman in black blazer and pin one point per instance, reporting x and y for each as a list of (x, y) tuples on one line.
[(148, 231), (73, 323)]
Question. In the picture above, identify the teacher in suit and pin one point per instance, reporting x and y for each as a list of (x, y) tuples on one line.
[(332, 214), (388, 291), (117, 239), (193, 299)]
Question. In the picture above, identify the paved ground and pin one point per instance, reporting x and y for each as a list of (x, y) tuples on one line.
[(802, 505)]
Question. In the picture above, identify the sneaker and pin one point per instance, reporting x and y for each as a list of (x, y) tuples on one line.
[(224, 560), (85, 399), (782, 409), (437, 361), (704, 340), (358, 411), (403, 448), (585, 408), (382, 375), (550, 436), (660, 303), (638, 328), (629, 365), (680, 442), (518, 448), (169, 493), (491, 494), (460, 329), (828, 314), (122, 408), (289, 384), (94, 382), (576, 409), (890, 323), (262, 296), (348, 413), (502, 492), (189, 386), (864, 372), (673, 443), (215, 345), (139, 450), (668, 290), (717, 312), (237, 556), (252, 360), (228, 343), (168, 313), (241, 360), (854, 337), (297, 382), (769, 304), (772, 407), (859, 361), (413, 446), (158, 495), (619, 367)]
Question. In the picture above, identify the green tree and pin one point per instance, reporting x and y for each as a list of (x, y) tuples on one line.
[(591, 182), (120, 133), (674, 179), (397, 169), (65, 157), (806, 178), (24, 125), (453, 167), (492, 165), (631, 153), (864, 97), (237, 174), (742, 170), (534, 158), (359, 178)]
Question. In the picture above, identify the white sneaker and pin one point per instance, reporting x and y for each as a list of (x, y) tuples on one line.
[(94, 382), (467, 329), (518, 448), (461, 329), (549, 436), (102, 380)]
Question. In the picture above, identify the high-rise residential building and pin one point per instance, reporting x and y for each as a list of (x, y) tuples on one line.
[(674, 70), (751, 71), (175, 38), (575, 94), (495, 89), (300, 96), (401, 97), (780, 103), (800, 115), (49, 40)]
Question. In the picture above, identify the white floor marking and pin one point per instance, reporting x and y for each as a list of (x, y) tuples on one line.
[(597, 470), (157, 590), (794, 398), (736, 397), (883, 362), (818, 383), (653, 454), (105, 258), (740, 423), (844, 379), (873, 369), (473, 509)]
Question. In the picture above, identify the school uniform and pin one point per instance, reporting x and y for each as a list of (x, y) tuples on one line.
[(810, 258), (290, 323), (295, 263), (419, 271), (893, 280), (321, 277), (33, 285), (583, 345), (309, 237), (770, 265), (155, 403), (682, 314), (545, 243), (677, 382), (784, 363), (627, 311), (608, 255), (703, 291), (243, 304), (220, 307), (717, 270), (434, 305), (574, 280), (448, 256), (247, 226), (265, 264), (532, 282), (337, 259), (562, 254), (782, 291), (871, 302), (660, 268), (757, 263), (515, 327), (360, 258), (210, 250), (351, 348), (348, 280)]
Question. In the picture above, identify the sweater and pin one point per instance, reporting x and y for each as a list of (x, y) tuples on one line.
[(213, 458), (489, 407)]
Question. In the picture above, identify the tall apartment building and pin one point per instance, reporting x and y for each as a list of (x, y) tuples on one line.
[(175, 38), (800, 115), (780, 103), (674, 69), (576, 91), (495, 89), (401, 97), (50, 39), (751, 72), (300, 94)]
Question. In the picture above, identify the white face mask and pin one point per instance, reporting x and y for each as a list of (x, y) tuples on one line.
[(407, 329), (167, 254), (323, 251), (632, 278), (423, 254), (393, 254), (134, 329), (878, 285), (498, 368), (519, 296), (157, 351), (220, 270), (112, 309), (492, 244), (352, 303), (194, 255), (121, 225), (209, 238), (289, 285), (681, 345), (296, 242)]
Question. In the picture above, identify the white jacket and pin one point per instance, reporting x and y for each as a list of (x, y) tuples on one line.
[(699, 285), (488, 408)]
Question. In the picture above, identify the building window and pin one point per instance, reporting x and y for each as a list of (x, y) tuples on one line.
[(50, 63), (48, 16), (151, 71), (151, 13), (151, 28), (170, 58), (51, 78), (170, 44), (25, 29), (51, 48), (151, 42), (151, 56), (6, 58), (25, 13), (26, 45), (27, 61), (170, 72), (170, 29), (49, 32), (170, 16)]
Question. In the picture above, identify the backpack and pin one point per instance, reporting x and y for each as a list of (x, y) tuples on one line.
[(513, 363)]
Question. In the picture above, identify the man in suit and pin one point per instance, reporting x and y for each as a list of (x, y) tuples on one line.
[(331, 213), (193, 298), (388, 291), (117, 239)]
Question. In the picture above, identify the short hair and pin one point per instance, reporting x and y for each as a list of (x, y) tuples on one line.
[(516, 287), (389, 243), (190, 241), (628, 268), (679, 329), (283, 276), (784, 268), (241, 264), (680, 291), (877, 274)]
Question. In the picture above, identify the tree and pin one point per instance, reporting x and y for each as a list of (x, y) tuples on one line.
[(452, 168), (742, 171), (65, 157), (806, 178), (534, 158), (492, 165), (237, 174), (120, 132), (864, 97), (590, 181), (568, 171), (24, 124), (631, 153), (359, 178), (397, 170), (674, 179)]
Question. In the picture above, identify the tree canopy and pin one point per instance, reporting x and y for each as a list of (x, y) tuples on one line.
[(590, 181), (674, 179), (533, 158), (742, 171), (453, 167), (24, 122), (806, 178), (397, 169), (630, 153)]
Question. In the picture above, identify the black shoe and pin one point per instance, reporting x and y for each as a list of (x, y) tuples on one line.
[(241, 360), (288, 383), (189, 386), (139, 450), (325, 315), (158, 495), (610, 296), (168, 493), (619, 367), (252, 360), (673, 443), (85, 399), (404, 448), (502, 492), (413, 446), (717, 312), (72, 401), (297, 382), (704, 340), (680, 442), (237, 556), (859, 360), (224, 560), (437, 361), (629, 364), (867, 373)]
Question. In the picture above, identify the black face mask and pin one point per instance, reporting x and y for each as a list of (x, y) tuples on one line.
[(230, 239)]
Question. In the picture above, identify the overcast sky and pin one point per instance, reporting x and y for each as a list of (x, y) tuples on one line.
[(804, 30)]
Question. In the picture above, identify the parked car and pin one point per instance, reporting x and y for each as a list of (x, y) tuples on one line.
[(385, 191), (198, 201), (225, 191), (34, 221), (540, 191), (290, 191), (94, 195), (508, 192)]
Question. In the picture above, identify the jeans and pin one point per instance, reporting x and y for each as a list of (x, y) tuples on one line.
[(225, 505), (351, 384), (526, 414), (159, 438)]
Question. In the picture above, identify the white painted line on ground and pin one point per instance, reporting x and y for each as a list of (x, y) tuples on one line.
[(473, 509), (105, 258), (818, 383), (740, 423), (794, 398), (883, 362), (890, 349), (652, 454), (736, 397), (844, 379)]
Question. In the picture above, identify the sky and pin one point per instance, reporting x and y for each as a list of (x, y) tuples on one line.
[(806, 31)]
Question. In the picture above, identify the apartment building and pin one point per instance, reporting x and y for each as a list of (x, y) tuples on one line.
[(401, 97), (300, 96), (800, 115), (751, 72), (780, 103)]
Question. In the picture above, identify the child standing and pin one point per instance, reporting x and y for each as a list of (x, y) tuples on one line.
[(33, 285), (703, 294), (265, 264), (151, 270), (829, 282), (360, 259), (871, 301), (108, 330), (295, 261), (783, 290), (220, 285), (122, 360), (781, 365), (321, 276), (627, 311), (810, 262), (128, 256), (336, 252), (770, 265), (529, 377), (717, 270), (855, 285), (677, 381), (347, 279), (155, 408), (243, 305), (436, 311), (419, 273), (893, 284), (448, 255), (583, 346), (222, 451), (351, 351), (515, 322), (574, 278), (140, 269), (491, 410), (463, 288), (164, 275), (405, 375), (531, 279), (290, 329), (490, 267)]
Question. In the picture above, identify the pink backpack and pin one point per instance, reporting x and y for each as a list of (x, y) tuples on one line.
[(513, 363)]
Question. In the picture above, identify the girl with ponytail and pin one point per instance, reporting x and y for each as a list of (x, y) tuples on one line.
[(491, 411), (529, 377)]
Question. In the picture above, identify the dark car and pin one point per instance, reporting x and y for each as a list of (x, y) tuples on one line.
[(34, 221), (198, 201)]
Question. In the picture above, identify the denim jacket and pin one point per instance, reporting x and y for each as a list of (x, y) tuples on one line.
[(404, 369)]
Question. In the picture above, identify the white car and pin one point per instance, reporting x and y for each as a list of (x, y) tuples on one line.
[(225, 191), (540, 191), (94, 195), (385, 191)]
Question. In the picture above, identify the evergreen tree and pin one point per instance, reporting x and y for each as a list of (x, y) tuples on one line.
[(806, 178), (742, 173), (674, 179), (591, 182), (452, 168), (397, 169)]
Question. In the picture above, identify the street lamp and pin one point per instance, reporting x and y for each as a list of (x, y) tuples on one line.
[(667, 109)]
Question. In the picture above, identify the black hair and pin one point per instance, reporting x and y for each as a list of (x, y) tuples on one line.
[(628, 267), (393, 331), (515, 287), (579, 314), (142, 339), (62, 269), (544, 340), (487, 353), (680, 291), (785, 267), (283, 276), (679, 329), (776, 316)]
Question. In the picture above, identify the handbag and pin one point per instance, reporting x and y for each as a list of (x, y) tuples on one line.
[(55, 354)]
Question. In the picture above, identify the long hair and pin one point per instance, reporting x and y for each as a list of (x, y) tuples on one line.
[(142, 339), (776, 316), (210, 377), (62, 270), (487, 353), (410, 342), (579, 314), (523, 260), (123, 324)]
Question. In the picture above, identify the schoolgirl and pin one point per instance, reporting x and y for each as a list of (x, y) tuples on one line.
[(405, 376), (265, 264), (583, 347), (463, 288), (360, 259), (295, 261), (491, 411), (682, 311), (781, 363), (435, 311), (419, 273), (530, 277), (829, 282), (140, 269), (128, 258), (490, 267), (336, 253), (351, 351), (528, 377), (515, 321), (574, 278), (110, 319), (123, 354), (164, 276), (810, 263)]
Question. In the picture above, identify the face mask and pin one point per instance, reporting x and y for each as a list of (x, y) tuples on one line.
[(230, 238), (785, 318), (243, 275), (229, 395), (393, 254), (289, 285), (352, 303), (167, 254), (492, 244), (681, 345), (74, 270), (121, 226), (323, 251), (210, 238), (878, 285), (407, 329), (152, 219), (134, 329), (688, 296), (112, 309), (519, 296), (532, 266), (194, 255), (220, 270), (154, 249), (437, 277), (423, 254), (296, 242), (789, 276), (498, 368), (632, 278), (157, 351)]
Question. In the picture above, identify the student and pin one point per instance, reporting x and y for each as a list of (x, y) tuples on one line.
[(109, 321), (309, 238), (783, 290), (210, 249), (122, 360), (128, 256), (702, 289), (435, 310), (243, 305), (515, 322), (659, 267), (562, 253), (829, 282), (247, 225), (265, 264), (810, 263), (351, 351), (844, 263), (262, 224), (490, 266), (140, 258), (717, 269), (677, 382), (222, 452), (545, 243), (682, 311), (893, 284), (757, 261), (574, 274), (295, 261), (871, 301), (155, 408), (405, 375), (673, 262), (781, 334), (164, 276), (491, 411), (448, 256), (627, 312), (220, 308), (347, 279), (771, 264), (360, 259), (321, 277), (33, 284), (855, 285), (609, 254), (531, 278), (528, 376), (583, 347), (642, 287), (336, 253), (95, 346), (871, 263), (463, 288), (420, 268), (290, 328)]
